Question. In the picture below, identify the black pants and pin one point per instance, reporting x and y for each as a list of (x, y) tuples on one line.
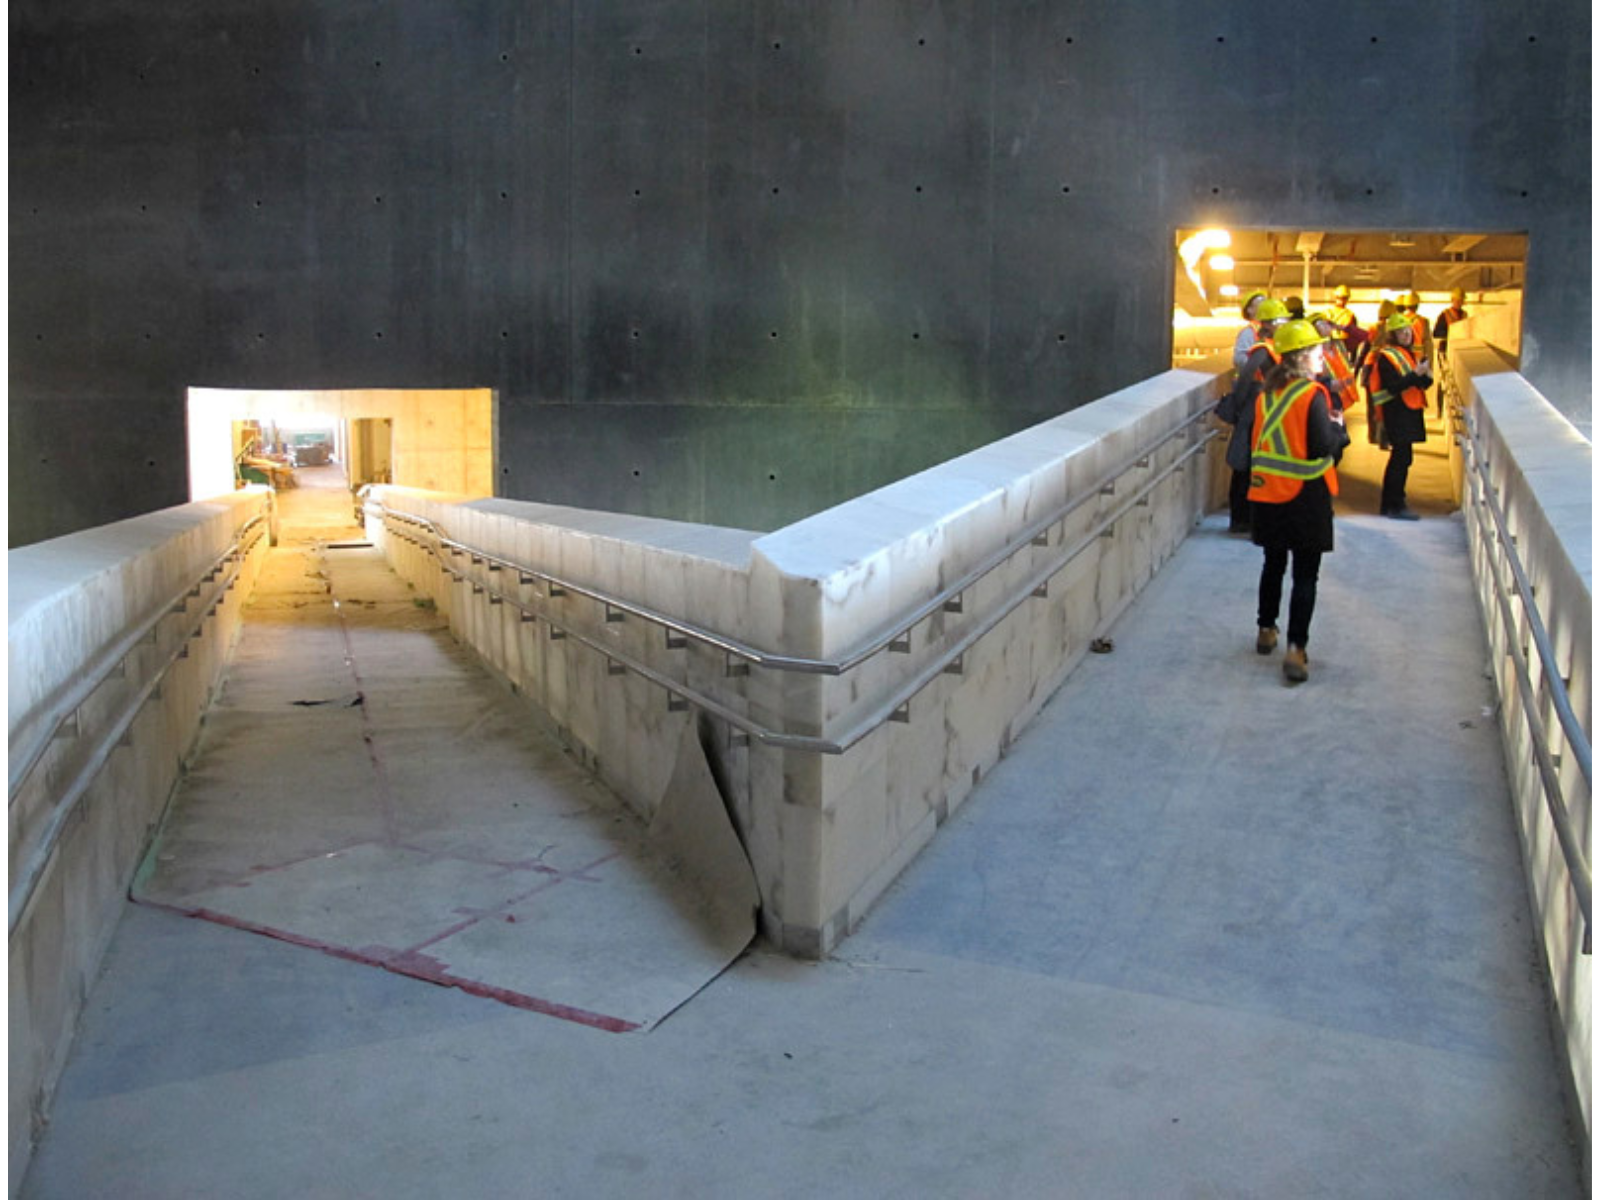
[(1239, 500), (1394, 478), (1302, 598)]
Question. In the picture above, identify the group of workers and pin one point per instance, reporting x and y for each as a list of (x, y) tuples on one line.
[(1297, 376)]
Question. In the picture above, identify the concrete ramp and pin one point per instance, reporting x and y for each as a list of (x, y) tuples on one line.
[(362, 787)]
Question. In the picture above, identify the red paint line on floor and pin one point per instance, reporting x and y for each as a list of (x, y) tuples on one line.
[(410, 965)]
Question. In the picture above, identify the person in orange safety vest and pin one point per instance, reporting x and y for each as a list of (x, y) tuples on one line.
[(1441, 331), (1235, 409), (1295, 444), (1398, 382)]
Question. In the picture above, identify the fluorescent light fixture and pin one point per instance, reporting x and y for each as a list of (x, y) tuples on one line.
[(1222, 262), (1228, 289)]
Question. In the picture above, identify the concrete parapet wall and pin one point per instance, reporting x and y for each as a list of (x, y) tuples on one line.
[(1541, 474), (96, 618), (906, 693)]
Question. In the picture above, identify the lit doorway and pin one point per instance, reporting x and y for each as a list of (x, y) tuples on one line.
[(316, 448), (1217, 269)]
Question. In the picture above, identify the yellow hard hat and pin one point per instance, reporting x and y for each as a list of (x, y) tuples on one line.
[(1341, 292), (1296, 335), (1410, 300), (1396, 322), (1244, 309), (1271, 310)]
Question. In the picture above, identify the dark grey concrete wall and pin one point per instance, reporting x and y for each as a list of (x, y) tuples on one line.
[(720, 260)]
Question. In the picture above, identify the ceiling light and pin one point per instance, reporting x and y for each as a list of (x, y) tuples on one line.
[(1228, 289), (1222, 262)]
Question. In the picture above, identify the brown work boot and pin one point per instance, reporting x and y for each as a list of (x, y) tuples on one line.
[(1295, 667), (1266, 639)]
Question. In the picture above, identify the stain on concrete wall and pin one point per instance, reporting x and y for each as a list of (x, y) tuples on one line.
[(727, 262)]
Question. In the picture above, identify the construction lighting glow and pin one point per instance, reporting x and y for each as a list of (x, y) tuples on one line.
[(1222, 262), (1196, 244), (1228, 289)]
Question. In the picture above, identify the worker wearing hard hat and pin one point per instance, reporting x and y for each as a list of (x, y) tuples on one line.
[(1441, 330), (1251, 333), (1295, 443), (1345, 323), (1338, 373), (1398, 381), (1235, 408), (1421, 334)]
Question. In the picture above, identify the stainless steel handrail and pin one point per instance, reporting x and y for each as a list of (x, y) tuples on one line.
[(873, 644), (881, 712), (32, 870), (1555, 803), (56, 711)]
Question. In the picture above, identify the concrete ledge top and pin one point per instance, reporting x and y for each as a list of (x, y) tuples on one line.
[(714, 542), (839, 539), (44, 570)]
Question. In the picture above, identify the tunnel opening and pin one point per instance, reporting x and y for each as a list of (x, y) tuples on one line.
[(318, 447), (1217, 267)]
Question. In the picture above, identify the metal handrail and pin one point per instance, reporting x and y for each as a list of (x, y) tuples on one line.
[(58, 711), (886, 709), (1555, 802), (873, 644), (32, 870)]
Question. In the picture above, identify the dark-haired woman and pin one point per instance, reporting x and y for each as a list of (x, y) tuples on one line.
[(1295, 443)]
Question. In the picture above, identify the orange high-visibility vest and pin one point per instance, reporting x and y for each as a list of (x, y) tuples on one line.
[(1279, 464), (1403, 361), (1342, 374), (1420, 332)]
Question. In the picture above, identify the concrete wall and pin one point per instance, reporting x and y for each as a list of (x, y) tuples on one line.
[(1542, 474), (73, 604), (720, 261), (830, 799)]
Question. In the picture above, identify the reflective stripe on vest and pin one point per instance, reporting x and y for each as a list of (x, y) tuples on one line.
[(1344, 379), (1278, 465), (1404, 362)]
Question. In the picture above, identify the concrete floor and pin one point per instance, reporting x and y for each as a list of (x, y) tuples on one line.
[(1200, 934)]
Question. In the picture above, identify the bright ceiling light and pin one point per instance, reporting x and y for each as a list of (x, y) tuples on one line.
[(1228, 289), (1222, 262), (1196, 244)]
